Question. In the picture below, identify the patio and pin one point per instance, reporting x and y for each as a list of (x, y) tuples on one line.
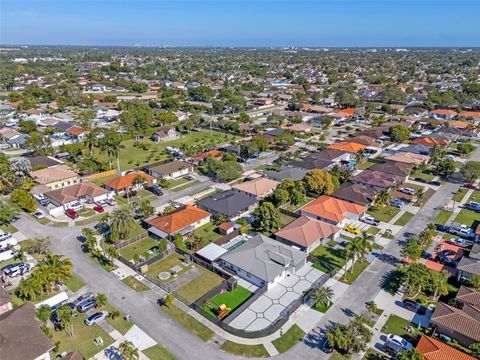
[(267, 308)]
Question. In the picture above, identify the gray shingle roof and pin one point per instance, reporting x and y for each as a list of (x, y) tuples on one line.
[(286, 173), (227, 203)]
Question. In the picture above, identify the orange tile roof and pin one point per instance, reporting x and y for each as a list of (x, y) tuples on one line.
[(473, 114), (444, 112), (350, 147), (258, 187), (15, 104), (75, 131), (331, 208), (349, 111), (433, 349), (429, 141), (178, 219), (122, 182), (202, 156), (459, 124), (307, 231)]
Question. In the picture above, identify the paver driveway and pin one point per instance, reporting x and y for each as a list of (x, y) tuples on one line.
[(267, 308)]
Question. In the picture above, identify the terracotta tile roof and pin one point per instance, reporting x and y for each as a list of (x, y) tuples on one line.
[(122, 182), (75, 131), (392, 167), (430, 141), (202, 156), (351, 147), (364, 140), (468, 295), (457, 321), (52, 174), (459, 124), (74, 192), (347, 112), (333, 209), (433, 349), (258, 187), (178, 219), (377, 179), (408, 158), (20, 335), (473, 114), (305, 231), (225, 226), (444, 112)]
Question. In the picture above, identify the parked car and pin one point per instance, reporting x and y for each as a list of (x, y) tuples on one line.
[(352, 229), (397, 203), (71, 213), (38, 215), (472, 205), (155, 189), (470, 186), (99, 208), (96, 318), (414, 306), (407, 190), (86, 305), (461, 230), (77, 205), (111, 201), (188, 177), (81, 298), (445, 260), (5, 236), (447, 252), (16, 269), (102, 203), (396, 344), (370, 220), (460, 242), (442, 228)]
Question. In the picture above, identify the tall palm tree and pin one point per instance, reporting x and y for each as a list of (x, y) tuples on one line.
[(101, 300), (128, 350), (383, 197), (66, 319), (90, 141), (121, 221), (360, 157), (56, 268), (322, 297), (365, 244)]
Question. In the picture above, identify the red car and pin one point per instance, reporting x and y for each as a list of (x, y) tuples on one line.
[(99, 208), (470, 186), (71, 213)]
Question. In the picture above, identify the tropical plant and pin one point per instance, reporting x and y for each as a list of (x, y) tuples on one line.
[(169, 299), (411, 354), (101, 300), (371, 307), (365, 244), (128, 350), (65, 315), (43, 313), (267, 217), (439, 283), (412, 250), (122, 220), (360, 156), (322, 297), (383, 197)]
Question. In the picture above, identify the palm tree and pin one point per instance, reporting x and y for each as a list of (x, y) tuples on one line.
[(419, 194), (412, 354), (56, 269), (365, 244), (371, 307), (101, 300), (128, 350), (383, 197), (122, 220), (169, 299), (440, 284), (360, 157), (322, 297), (90, 141), (66, 319), (110, 253)]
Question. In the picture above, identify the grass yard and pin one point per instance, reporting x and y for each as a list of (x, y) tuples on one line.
[(285, 219), (199, 286), (9, 228), (475, 196), (132, 156), (42, 221), (86, 212), (185, 186), (82, 339), (365, 165), (337, 356), (165, 264), (350, 277), (373, 230), (232, 299), (384, 214), (443, 217), (208, 232), (468, 217), (190, 323), (289, 339), (244, 350), (333, 258), (373, 354), (74, 283), (158, 352), (397, 325), (404, 219), (119, 323), (424, 175), (460, 194), (139, 247), (298, 206), (135, 284), (62, 224), (175, 182)]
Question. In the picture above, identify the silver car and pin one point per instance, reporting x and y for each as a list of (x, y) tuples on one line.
[(96, 318)]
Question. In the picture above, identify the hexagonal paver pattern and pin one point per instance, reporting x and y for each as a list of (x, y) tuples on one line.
[(262, 304), (288, 298), (258, 324), (273, 312)]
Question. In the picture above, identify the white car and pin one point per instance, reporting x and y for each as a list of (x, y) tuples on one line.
[(370, 220), (398, 340), (407, 190), (96, 318), (5, 236), (38, 215), (77, 205)]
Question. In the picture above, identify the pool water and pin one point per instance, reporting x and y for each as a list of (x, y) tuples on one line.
[(236, 245)]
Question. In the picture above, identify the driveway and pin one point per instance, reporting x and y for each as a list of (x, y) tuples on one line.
[(267, 308)]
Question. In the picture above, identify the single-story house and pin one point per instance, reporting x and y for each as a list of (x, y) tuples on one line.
[(263, 261), (334, 155), (40, 161), (169, 170), (346, 146), (216, 154), (258, 188), (55, 177), (306, 233), (76, 133), (434, 349), (331, 210), (430, 141), (310, 163), (230, 203), (180, 221), (377, 179), (356, 193), (408, 158), (83, 192), (165, 133), (22, 336), (128, 182), (469, 265), (393, 168), (443, 114), (294, 173), (416, 149)]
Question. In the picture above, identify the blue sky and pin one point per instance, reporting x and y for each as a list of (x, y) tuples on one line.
[(241, 22)]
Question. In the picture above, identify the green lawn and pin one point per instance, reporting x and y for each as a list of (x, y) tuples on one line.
[(82, 339), (425, 175), (208, 233), (132, 156), (475, 196), (86, 212), (9, 228), (373, 230), (460, 194), (62, 224), (190, 323), (158, 352), (139, 247), (175, 182), (119, 323), (199, 286), (335, 258), (298, 206), (468, 217), (185, 186), (404, 219), (74, 283), (337, 356), (165, 264), (135, 284), (232, 299), (350, 277), (397, 325), (289, 339), (373, 354), (384, 214), (365, 165), (322, 309), (244, 350), (443, 217)]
